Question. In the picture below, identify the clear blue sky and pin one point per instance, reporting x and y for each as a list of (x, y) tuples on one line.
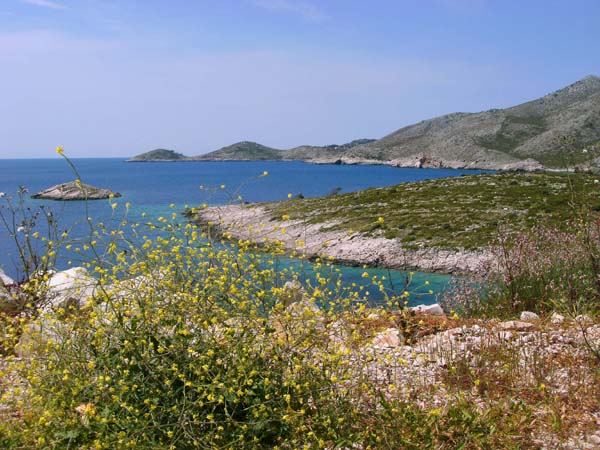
[(119, 77)]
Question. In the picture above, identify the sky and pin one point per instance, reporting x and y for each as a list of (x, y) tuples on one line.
[(114, 78)]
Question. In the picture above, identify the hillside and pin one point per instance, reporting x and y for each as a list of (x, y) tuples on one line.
[(244, 150), (252, 151), (530, 136), (160, 154), (497, 137)]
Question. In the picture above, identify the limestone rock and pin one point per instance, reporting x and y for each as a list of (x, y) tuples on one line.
[(389, 338), (584, 319), (70, 288), (65, 290), (6, 298), (433, 310), (74, 191), (517, 325), (557, 319), (293, 292), (5, 279), (529, 316)]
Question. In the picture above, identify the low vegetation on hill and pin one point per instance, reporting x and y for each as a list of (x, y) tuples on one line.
[(461, 212), (160, 154)]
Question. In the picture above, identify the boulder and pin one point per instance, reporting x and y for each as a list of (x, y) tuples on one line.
[(6, 298), (433, 310), (5, 279), (584, 319), (529, 316), (75, 191), (388, 338), (69, 288), (557, 319)]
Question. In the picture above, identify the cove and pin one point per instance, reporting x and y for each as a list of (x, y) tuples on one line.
[(151, 187)]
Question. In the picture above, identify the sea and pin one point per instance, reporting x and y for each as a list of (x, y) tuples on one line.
[(158, 188)]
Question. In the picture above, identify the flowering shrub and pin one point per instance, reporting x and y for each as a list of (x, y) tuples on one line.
[(543, 270)]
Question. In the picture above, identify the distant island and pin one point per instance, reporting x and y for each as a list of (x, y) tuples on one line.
[(554, 131)]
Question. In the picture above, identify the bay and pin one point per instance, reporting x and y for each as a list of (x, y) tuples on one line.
[(151, 188)]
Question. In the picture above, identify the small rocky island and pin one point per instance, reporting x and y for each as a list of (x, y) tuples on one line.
[(75, 190)]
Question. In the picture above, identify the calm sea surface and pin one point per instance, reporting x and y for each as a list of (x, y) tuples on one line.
[(152, 187)]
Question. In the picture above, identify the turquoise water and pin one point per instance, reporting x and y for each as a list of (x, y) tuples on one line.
[(152, 187)]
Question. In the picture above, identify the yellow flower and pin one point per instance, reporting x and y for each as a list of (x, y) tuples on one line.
[(60, 150), (380, 220), (290, 195)]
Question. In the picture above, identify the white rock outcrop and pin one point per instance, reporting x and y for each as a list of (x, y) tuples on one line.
[(529, 316), (433, 310), (72, 287)]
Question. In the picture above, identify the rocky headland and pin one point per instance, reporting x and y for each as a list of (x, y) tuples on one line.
[(256, 223), (446, 225)]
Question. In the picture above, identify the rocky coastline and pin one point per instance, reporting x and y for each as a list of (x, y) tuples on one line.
[(255, 222)]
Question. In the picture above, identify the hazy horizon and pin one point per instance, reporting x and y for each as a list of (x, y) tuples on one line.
[(108, 78)]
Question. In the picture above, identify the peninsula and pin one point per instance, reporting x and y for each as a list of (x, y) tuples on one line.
[(444, 225)]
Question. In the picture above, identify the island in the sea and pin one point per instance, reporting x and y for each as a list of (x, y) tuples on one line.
[(554, 131), (74, 190)]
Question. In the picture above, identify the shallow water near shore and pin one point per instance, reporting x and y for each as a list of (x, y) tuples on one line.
[(152, 187)]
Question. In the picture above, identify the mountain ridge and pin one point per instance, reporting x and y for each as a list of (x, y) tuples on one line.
[(540, 133)]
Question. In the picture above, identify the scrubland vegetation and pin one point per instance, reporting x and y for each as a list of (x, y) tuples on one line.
[(460, 212), (175, 339)]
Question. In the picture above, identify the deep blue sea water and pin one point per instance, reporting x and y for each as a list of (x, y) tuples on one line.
[(152, 187)]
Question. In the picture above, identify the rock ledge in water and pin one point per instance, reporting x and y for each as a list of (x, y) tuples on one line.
[(75, 191)]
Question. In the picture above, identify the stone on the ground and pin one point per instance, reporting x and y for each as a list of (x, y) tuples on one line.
[(388, 338), (67, 289), (517, 325), (584, 319), (6, 298), (556, 318), (70, 288), (528, 315)]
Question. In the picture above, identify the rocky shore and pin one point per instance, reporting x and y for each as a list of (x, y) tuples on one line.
[(254, 222), (426, 162)]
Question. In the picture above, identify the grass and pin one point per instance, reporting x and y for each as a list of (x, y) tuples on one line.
[(463, 212)]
